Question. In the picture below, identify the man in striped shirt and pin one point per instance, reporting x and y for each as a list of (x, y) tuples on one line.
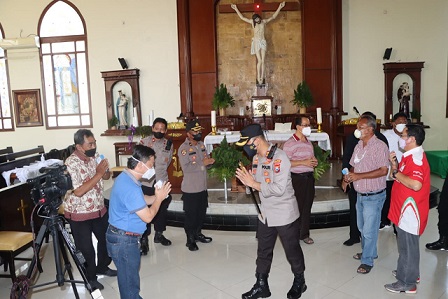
[(370, 160)]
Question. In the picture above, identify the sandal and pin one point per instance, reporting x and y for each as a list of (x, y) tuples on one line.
[(357, 256), (364, 269), (308, 241)]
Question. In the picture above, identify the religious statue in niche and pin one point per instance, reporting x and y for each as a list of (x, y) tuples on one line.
[(122, 110), (259, 45), (404, 96)]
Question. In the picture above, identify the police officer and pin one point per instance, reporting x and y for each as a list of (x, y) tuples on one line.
[(194, 160), (271, 177), (164, 153)]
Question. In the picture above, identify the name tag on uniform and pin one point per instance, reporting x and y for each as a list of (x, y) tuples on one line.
[(266, 167)]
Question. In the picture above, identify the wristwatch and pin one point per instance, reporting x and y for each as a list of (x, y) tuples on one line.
[(394, 173)]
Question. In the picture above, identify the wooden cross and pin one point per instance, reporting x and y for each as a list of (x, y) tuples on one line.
[(22, 208), (259, 7)]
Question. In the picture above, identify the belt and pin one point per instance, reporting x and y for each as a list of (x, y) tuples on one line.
[(310, 173), (373, 193), (123, 232)]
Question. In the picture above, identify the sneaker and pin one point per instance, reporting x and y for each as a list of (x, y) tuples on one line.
[(394, 273), (398, 287), (384, 226)]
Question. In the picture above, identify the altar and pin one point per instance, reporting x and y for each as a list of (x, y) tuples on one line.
[(322, 138)]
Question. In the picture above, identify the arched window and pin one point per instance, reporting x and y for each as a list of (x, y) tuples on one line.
[(64, 66), (6, 122)]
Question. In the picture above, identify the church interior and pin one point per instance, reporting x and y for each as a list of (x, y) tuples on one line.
[(166, 59)]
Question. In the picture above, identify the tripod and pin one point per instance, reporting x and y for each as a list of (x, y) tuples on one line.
[(54, 225)]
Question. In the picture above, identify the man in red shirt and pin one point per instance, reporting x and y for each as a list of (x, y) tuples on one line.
[(409, 206)]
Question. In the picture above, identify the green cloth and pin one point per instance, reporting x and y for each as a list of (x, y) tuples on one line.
[(438, 161)]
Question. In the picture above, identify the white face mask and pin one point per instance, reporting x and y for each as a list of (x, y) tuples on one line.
[(402, 143), (306, 131), (400, 127), (357, 133), (149, 173)]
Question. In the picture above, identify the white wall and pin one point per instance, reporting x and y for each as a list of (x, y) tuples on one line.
[(417, 31), (143, 32)]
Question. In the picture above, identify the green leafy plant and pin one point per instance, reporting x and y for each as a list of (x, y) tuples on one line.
[(322, 160), (222, 98), (226, 158), (143, 131), (302, 96), (113, 121)]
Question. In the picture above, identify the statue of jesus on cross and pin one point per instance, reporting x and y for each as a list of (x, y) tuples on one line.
[(259, 45)]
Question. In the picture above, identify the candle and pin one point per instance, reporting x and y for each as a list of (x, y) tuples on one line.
[(213, 116), (319, 115), (151, 117), (134, 117)]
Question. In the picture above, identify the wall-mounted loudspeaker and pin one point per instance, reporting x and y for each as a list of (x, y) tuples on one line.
[(387, 54), (123, 63)]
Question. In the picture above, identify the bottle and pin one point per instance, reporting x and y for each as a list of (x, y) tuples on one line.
[(345, 171)]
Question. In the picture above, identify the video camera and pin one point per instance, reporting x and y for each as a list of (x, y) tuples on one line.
[(47, 189)]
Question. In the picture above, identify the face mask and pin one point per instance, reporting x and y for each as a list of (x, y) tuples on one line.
[(357, 133), (159, 135), (90, 153), (306, 131), (402, 143), (149, 173), (197, 137), (400, 127)]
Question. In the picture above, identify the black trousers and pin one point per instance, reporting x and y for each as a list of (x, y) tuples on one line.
[(195, 208), (386, 206), (289, 236), (82, 234), (355, 234), (159, 220), (303, 184), (443, 210)]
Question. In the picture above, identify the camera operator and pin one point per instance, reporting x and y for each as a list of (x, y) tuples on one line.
[(84, 207)]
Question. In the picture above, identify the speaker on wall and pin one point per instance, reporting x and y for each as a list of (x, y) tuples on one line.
[(123, 63), (387, 54)]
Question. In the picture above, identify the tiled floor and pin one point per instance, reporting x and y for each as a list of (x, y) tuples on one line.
[(225, 268)]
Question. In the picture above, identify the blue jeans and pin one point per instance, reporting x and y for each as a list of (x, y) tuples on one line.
[(125, 252), (368, 212)]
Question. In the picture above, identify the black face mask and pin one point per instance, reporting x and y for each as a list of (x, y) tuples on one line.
[(250, 150), (90, 153), (197, 137), (159, 135)]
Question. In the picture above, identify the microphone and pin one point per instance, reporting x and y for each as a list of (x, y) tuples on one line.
[(356, 110)]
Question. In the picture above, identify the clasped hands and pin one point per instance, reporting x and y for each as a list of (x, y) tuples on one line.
[(163, 191), (244, 176)]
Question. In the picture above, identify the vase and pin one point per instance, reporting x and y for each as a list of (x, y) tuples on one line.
[(414, 120), (302, 110), (222, 111)]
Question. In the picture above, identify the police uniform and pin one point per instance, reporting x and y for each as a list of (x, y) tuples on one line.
[(164, 154)]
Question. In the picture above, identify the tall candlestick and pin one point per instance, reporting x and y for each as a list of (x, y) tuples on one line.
[(213, 116), (319, 115)]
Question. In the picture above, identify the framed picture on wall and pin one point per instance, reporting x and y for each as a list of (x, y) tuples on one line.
[(261, 105), (27, 108)]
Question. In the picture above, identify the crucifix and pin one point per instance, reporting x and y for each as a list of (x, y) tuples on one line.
[(259, 45)]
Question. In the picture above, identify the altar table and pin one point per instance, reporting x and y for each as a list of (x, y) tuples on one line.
[(438, 161)]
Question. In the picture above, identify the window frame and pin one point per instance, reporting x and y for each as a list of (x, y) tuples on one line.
[(8, 91)]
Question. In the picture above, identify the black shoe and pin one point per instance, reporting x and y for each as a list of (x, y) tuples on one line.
[(203, 239), (260, 288), (160, 238), (144, 246), (298, 287), (96, 285), (109, 272), (191, 243), (441, 244), (350, 242)]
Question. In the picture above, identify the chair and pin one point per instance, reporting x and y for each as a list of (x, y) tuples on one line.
[(121, 148), (13, 243)]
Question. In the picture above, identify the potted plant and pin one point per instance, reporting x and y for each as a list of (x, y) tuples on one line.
[(415, 116), (113, 122), (226, 158), (302, 97), (141, 131), (222, 99), (322, 161)]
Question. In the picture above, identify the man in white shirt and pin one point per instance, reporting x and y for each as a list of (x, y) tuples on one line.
[(393, 136)]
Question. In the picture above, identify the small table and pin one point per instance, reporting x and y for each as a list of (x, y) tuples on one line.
[(322, 138), (438, 161)]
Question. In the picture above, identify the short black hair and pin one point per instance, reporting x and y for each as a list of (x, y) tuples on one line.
[(80, 135), (298, 120), (418, 132), (160, 120), (400, 114), (141, 153), (368, 113)]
